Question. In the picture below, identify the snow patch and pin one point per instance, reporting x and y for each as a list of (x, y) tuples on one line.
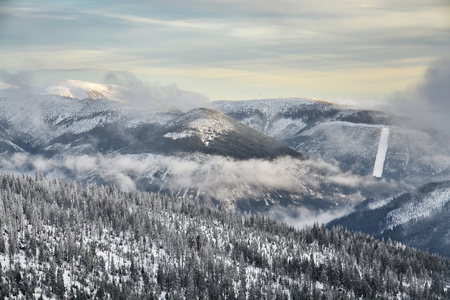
[(379, 203), (207, 128), (180, 135)]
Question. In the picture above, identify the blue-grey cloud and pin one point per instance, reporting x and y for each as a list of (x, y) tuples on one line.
[(427, 103), (146, 95), (21, 79)]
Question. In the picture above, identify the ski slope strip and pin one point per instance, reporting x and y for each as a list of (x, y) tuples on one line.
[(381, 153)]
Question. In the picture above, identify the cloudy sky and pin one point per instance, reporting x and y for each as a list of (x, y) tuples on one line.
[(229, 49)]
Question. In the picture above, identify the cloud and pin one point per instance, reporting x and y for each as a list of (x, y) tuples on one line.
[(212, 177), (145, 95), (300, 217), (81, 164), (426, 105), (182, 24), (21, 79), (282, 49), (122, 181)]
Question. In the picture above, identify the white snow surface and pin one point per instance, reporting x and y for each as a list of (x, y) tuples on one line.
[(285, 127), (381, 153), (340, 124)]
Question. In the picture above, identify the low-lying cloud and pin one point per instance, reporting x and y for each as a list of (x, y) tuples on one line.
[(301, 216), (210, 177)]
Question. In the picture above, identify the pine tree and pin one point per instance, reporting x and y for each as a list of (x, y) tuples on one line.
[(60, 288), (2, 244), (242, 279), (190, 286)]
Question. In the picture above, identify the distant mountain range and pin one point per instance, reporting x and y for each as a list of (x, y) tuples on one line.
[(201, 153), (294, 157), (320, 129)]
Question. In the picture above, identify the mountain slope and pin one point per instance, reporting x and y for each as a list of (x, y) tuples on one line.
[(53, 124), (349, 137), (419, 219), (61, 240)]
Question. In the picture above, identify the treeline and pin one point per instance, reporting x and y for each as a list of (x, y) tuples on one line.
[(59, 239)]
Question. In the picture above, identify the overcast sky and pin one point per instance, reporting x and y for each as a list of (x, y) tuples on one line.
[(229, 49)]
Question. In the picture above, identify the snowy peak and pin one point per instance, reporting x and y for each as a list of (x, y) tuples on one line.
[(81, 90), (192, 118)]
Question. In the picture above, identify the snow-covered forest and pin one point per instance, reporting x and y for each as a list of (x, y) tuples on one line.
[(65, 241)]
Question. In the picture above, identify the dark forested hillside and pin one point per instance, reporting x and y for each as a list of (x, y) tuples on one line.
[(419, 218), (71, 242)]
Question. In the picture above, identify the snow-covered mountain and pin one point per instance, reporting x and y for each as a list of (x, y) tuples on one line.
[(347, 136), (38, 123), (202, 153), (58, 135), (128, 90), (211, 132)]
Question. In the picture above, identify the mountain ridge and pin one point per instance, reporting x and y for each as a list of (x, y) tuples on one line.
[(347, 136), (210, 132)]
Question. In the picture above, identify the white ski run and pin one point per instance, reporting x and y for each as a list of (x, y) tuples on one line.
[(381, 153)]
